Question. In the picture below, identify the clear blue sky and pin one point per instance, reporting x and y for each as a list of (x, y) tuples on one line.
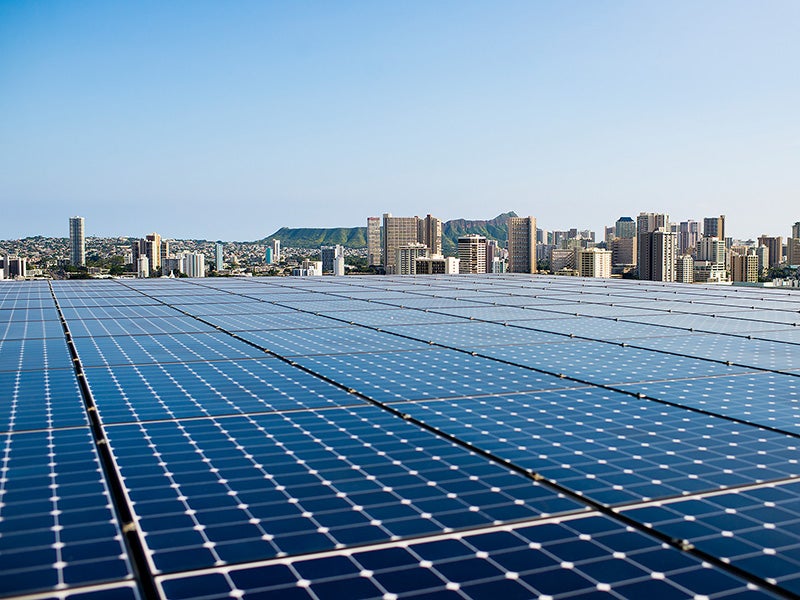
[(228, 120)]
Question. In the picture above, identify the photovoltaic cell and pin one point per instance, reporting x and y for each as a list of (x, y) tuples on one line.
[(590, 557), (217, 491)]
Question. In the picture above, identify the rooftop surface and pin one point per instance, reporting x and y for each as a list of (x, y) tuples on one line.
[(498, 436)]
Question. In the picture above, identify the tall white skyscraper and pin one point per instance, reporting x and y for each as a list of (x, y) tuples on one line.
[(194, 264), (276, 251), (77, 242), (218, 263)]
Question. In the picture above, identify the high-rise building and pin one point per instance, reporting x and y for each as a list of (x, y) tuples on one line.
[(430, 233), (521, 244), (472, 254), (142, 266), (562, 260), (684, 269), (594, 262), (648, 223), (373, 241), (688, 236), (714, 227), (218, 263), (744, 268), (610, 234), (793, 251), (268, 255), (657, 254), (397, 232), (15, 266), (329, 256), (762, 253), (775, 246), (625, 227), (153, 248), (194, 264), (406, 258), (276, 251), (623, 252), (437, 265), (796, 230), (711, 249), (77, 242)]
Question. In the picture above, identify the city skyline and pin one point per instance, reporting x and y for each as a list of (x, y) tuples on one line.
[(230, 119)]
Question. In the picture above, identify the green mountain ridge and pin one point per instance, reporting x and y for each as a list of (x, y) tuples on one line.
[(356, 237)]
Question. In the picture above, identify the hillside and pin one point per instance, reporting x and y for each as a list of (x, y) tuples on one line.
[(356, 237)]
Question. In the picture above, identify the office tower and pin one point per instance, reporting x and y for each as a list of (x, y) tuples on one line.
[(77, 242), (714, 227), (623, 252), (521, 244), (594, 262), (775, 246), (276, 251), (625, 227), (561, 259), (397, 232), (268, 255), (143, 266), (406, 258), (338, 266), (153, 250), (218, 256), (684, 269), (647, 223), (793, 251), (711, 249), (744, 268), (430, 233), (15, 266), (796, 230), (762, 252), (657, 253), (194, 264), (472, 254), (688, 236), (541, 236), (373, 241), (610, 233), (329, 256)]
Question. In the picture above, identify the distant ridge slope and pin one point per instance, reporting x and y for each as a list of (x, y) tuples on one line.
[(356, 237)]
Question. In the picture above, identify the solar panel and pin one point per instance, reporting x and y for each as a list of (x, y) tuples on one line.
[(387, 437)]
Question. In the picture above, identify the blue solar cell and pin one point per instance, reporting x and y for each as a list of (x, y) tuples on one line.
[(614, 448), (40, 400), (56, 525), (575, 558), (175, 390), (284, 484)]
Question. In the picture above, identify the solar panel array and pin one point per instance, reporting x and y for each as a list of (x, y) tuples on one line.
[(408, 437)]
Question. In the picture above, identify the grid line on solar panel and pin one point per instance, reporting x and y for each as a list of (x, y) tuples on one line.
[(768, 399), (216, 491), (34, 354), (586, 557), (161, 348), (42, 399), (57, 528), (756, 529), (193, 389), (611, 448)]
